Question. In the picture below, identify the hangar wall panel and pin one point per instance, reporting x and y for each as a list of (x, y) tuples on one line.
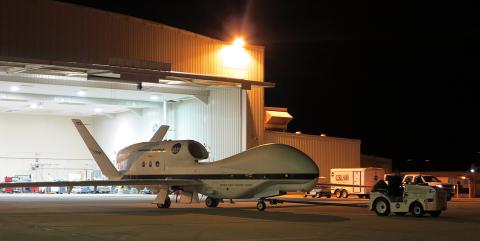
[(114, 132), (49, 30), (327, 152), (217, 124), (52, 140)]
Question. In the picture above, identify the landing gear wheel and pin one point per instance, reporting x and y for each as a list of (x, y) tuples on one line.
[(400, 213), (417, 210), (166, 204), (435, 213), (344, 194), (338, 193), (261, 205), (382, 207), (211, 202)]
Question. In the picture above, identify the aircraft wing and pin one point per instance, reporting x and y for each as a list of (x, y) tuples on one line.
[(135, 182)]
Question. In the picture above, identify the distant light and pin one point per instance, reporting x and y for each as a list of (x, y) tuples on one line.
[(98, 110), (154, 97), (472, 170), (239, 43), (298, 132), (81, 93), (323, 134), (33, 106), (463, 177), (14, 88)]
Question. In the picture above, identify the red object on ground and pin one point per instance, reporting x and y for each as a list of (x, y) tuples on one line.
[(8, 179), (35, 189)]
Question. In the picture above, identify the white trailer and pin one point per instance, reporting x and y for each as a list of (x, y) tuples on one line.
[(356, 177)]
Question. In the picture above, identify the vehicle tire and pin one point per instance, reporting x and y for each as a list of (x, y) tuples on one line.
[(417, 209), (211, 202), (166, 204), (344, 194), (381, 207), (261, 205), (338, 193), (435, 213), (400, 213)]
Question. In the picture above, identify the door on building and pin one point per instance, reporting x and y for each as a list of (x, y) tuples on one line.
[(357, 180)]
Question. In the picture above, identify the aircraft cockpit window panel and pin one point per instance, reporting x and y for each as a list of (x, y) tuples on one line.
[(157, 164)]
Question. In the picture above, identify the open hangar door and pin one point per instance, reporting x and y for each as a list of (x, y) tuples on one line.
[(38, 139)]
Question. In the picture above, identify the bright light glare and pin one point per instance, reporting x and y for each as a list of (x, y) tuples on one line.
[(98, 110), (239, 43), (33, 106), (235, 57), (81, 93), (14, 88), (154, 97), (472, 170)]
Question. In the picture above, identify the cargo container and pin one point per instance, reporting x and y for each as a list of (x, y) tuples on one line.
[(364, 178)]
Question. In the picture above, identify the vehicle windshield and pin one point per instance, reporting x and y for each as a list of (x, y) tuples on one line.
[(430, 179)]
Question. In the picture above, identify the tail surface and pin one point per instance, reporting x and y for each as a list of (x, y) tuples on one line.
[(160, 134), (106, 166)]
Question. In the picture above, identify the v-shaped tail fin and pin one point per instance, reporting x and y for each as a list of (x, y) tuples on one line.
[(105, 165)]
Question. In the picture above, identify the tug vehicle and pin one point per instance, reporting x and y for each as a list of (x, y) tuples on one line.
[(414, 199)]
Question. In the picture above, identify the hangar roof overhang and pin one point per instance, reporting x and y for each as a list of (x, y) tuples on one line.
[(112, 87), (122, 70)]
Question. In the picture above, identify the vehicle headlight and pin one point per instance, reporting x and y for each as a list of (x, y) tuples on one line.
[(439, 185)]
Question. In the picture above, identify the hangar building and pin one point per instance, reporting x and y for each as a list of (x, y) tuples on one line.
[(124, 77)]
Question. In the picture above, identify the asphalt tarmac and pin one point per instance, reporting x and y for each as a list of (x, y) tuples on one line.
[(132, 217)]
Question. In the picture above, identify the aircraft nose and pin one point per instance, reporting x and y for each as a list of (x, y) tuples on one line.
[(295, 160)]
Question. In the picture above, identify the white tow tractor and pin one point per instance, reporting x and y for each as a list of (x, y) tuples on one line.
[(416, 199)]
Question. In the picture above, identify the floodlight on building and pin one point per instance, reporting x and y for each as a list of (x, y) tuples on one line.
[(234, 56), (323, 135), (14, 88), (239, 43), (298, 132)]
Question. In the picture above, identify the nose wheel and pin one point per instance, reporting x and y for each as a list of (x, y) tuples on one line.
[(261, 205)]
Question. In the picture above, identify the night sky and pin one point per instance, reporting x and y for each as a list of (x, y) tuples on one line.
[(400, 77)]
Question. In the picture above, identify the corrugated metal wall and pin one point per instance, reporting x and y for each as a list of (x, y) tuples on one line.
[(328, 152), (50, 30), (217, 124)]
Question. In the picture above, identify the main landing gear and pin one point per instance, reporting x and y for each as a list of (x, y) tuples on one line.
[(261, 205), (212, 202)]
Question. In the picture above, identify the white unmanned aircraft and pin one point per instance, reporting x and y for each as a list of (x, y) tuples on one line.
[(164, 166)]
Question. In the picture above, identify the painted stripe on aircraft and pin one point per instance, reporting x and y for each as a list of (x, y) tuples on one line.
[(226, 176)]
